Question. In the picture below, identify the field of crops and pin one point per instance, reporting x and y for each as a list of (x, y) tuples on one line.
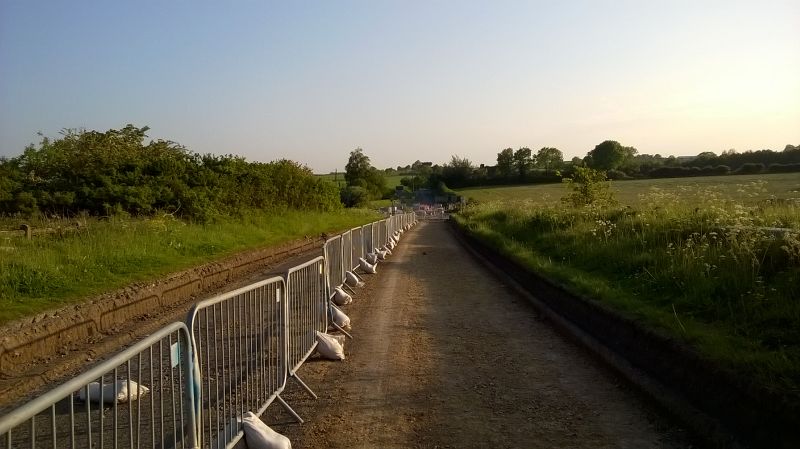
[(783, 185), (712, 261)]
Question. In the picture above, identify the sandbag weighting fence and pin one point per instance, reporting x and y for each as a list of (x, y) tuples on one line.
[(187, 385)]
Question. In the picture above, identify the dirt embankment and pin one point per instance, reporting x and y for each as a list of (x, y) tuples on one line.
[(447, 356), (36, 352)]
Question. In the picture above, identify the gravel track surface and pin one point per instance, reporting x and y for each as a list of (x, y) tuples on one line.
[(446, 356)]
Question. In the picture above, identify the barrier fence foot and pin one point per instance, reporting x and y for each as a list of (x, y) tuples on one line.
[(347, 334), (349, 289), (289, 409), (303, 384)]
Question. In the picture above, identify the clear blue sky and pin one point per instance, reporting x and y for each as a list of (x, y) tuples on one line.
[(405, 80)]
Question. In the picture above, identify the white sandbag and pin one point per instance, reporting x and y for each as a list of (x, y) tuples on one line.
[(340, 318), (114, 392), (352, 280), (381, 254), (340, 338), (372, 258), (388, 250), (260, 436), (366, 266), (328, 347), (340, 297), (392, 244)]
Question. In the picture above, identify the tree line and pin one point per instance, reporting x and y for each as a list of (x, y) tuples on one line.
[(116, 172), (615, 160)]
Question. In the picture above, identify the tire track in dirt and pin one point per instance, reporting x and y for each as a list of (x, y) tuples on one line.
[(446, 356)]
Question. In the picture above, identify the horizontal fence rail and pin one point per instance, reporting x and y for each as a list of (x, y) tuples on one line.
[(240, 357), (143, 398)]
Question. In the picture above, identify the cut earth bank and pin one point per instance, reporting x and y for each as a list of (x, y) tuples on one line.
[(39, 351)]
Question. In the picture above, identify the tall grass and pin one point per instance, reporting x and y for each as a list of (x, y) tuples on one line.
[(692, 263), (49, 271)]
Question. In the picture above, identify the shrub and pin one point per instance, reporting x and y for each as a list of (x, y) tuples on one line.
[(588, 187), (354, 196), (750, 169), (117, 172), (617, 174), (783, 168)]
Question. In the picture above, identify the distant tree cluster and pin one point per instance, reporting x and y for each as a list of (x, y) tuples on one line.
[(364, 182), (113, 172), (615, 160)]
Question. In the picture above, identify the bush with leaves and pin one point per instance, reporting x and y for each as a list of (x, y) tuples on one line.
[(104, 173), (588, 187)]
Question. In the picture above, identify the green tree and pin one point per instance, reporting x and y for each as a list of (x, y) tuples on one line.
[(548, 158), (360, 173), (458, 172), (523, 161), (357, 168), (588, 187), (505, 163), (609, 155)]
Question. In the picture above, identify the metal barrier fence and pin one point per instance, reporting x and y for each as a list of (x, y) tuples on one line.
[(347, 253), (357, 246), (307, 312), (433, 214), (383, 232), (366, 239), (234, 355), (116, 411), (334, 263), (240, 344)]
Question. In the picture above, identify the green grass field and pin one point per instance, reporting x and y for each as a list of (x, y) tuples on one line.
[(50, 271), (783, 185), (697, 259)]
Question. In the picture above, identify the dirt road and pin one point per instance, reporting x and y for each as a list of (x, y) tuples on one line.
[(445, 356)]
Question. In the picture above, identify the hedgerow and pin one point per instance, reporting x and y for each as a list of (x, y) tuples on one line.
[(116, 172)]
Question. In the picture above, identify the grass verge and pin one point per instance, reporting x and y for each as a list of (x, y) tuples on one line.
[(50, 271), (707, 271)]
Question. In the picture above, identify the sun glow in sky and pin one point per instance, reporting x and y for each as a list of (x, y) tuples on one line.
[(310, 81)]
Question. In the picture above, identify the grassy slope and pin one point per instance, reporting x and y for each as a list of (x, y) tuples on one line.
[(48, 272), (672, 261)]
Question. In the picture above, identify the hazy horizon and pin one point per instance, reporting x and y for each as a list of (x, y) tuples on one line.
[(405, 81)]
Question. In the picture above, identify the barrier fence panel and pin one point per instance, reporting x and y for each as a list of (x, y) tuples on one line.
[(366, 234), (307, 313), (357, 246), (334, 267), (143, 399), (347, 254), (375, 241), (390, 223), (240, 357), (383, 234)]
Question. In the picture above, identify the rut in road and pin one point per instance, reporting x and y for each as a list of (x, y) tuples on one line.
[(446, 356)]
